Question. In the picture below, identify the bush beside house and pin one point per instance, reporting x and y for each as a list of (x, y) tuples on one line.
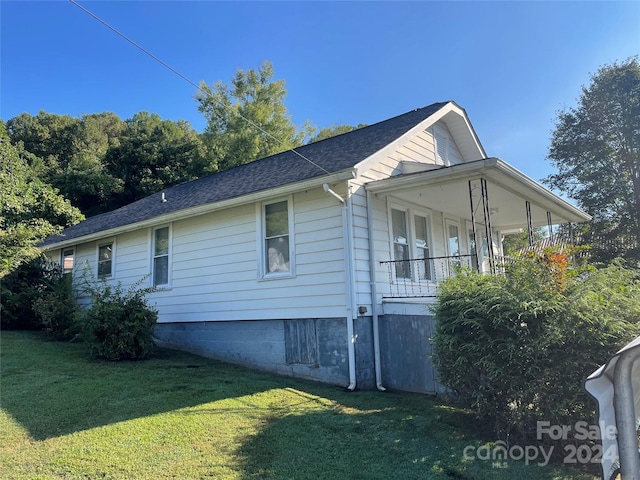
[(517, 347), (119, 323)]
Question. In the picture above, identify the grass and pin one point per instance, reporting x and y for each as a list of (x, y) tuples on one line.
[(185, 417)]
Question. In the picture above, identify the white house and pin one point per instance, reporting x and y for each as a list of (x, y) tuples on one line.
[(321, 262)]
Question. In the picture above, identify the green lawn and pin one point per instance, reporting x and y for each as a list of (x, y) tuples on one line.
[(185, 417)]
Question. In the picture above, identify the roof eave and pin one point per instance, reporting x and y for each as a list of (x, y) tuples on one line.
[(467, 170), (184, 213)]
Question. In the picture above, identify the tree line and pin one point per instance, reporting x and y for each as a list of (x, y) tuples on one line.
[(100, 162)]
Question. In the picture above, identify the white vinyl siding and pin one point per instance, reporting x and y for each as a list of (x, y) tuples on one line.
[(214, 258)]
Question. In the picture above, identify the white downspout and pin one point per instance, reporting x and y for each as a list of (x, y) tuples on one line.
[(374, 297), (346, 234)]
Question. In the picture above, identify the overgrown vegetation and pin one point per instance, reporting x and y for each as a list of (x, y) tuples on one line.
[(116, 322), (22, 290), (57, 308), (119, 323), (517, 347)]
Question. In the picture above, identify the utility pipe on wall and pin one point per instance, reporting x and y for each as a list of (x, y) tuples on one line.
[(346, 234), (374, 297)]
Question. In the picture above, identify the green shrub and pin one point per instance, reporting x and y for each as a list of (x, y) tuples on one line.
[(20, 290), (119, 324), (57, 308), (517, 347)]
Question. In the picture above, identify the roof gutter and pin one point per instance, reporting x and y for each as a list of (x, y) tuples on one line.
[(206, 208)]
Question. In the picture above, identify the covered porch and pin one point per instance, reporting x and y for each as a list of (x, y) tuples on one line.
[(446, 217)]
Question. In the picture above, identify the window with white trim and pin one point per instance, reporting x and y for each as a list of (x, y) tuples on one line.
[(423, 251), (453, 239), (160, 249), (411, 244), (105, 259), (277, 234), (67, 259), (400, 243)]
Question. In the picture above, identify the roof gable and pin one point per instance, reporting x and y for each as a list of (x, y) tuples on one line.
[(328, 156)]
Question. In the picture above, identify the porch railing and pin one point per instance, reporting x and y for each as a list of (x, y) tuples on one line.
[(420, 277)]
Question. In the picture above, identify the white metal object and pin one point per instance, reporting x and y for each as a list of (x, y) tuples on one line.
[(616, 388)]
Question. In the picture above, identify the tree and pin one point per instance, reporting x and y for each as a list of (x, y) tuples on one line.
[(69, 154), (30, 209), (517, 241), (596, 149), (48, 136), (83, 177), (247, 120), (153, 154), (334, 130)]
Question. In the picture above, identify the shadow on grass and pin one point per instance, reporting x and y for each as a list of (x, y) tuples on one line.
[(373, 435), (54, 389)]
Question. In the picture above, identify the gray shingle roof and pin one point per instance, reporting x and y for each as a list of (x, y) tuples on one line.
[(332, 154)]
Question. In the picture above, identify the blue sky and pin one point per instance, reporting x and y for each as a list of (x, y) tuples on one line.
[(511, 65)]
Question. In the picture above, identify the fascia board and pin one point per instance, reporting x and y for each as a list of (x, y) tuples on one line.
[(485, 167), (206, 208)]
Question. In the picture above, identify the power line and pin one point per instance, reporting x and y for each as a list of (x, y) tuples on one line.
[(189, 81)]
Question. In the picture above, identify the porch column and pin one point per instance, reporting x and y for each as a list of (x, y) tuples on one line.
[(529, 222), (473, 227), (549, 225), (487, 223), (486, 212)]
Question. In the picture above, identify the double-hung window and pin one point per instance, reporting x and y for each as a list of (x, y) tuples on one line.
[(105, 259), (400, 243), (67, 259), (277, 235), (411, 245), (423, 251), (161, 246)]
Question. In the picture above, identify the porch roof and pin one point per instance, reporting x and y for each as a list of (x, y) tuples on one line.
[(447, 189)]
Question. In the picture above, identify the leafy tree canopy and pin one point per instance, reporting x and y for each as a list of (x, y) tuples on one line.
[(248, 119), (334, 130), (72, 152), (30, 209), (153, 154), (596, 149), (99, 161)]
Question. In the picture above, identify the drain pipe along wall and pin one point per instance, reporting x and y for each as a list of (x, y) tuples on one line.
[(348, 267), (374, 296)]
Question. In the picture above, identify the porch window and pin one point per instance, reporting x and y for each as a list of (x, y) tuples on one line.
[(422, 247), (277, 247), (105, 260), (400, 243), (411, 245), (161, 243), (453, 240)]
